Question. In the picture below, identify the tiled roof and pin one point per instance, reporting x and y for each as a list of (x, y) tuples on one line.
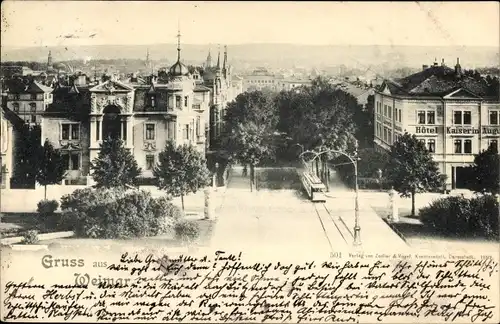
[(12, 117), (36, 87), (201, 88), (437, 81), (71, 100)]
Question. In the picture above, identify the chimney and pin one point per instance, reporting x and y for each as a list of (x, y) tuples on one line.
[(458, 68), (425, 67), (435, 62), (442, 62)]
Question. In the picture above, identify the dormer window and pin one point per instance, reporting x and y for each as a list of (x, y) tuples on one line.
[(152, 101)]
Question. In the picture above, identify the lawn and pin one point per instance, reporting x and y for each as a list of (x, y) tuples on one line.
[(422, 236), (15, 224), (276, 179)]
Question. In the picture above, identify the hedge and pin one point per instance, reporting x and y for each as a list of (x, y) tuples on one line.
[(114, 213), (462, 216)]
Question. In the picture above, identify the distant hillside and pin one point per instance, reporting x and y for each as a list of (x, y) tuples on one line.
[(275, 55)]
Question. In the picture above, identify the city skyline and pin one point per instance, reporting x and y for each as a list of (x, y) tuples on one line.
[(142, 23)]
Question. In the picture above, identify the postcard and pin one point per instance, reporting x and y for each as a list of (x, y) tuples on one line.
[(250, 162)]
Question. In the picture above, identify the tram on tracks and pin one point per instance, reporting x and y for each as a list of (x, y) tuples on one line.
[(313, 186)]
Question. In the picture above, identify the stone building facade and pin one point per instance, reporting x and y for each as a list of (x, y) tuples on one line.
[(456, 116), (144, 116)]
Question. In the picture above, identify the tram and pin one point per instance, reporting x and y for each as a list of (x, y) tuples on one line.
[(314, 187)]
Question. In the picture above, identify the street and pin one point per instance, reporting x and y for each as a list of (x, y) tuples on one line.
[(284, 221)]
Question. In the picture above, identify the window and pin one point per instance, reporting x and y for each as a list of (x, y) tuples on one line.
[(389, 136), (65, 131), (32, 107), (458, 146), (74, 161), (422, 141), (152, 101), (421, 117), (75, 131), (395, 114), (17, 97), (15, 106), (493, 143), (150, 162), (400, 112), (186, 131), (178, 102), (457, 117), (431, 145), (389, 112), (33, 96), (70, 131), (185, 101), (385, 110), (467, 146), (431, 117), (150, 132), (467, 117), (198, 126), (33, 118), (494, 117)]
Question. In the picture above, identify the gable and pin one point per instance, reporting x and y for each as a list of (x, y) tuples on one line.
[(385, 89), (112, 86), (461, 94)]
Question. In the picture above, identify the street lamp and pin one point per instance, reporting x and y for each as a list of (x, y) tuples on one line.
[(354, 161)]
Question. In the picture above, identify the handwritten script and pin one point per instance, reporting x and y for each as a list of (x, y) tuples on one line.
[(223, 287)]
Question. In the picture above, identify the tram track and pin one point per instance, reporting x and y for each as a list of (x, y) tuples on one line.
[(332, 226)]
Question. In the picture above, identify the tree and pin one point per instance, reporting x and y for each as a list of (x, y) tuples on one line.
[(115, 166), (412, 168), (486, 171), (319, 118), (51, 167), (250, 123), (181, 170), (28, 150), (250, 144)]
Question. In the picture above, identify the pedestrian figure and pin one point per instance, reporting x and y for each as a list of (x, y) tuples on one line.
[(245, 170)]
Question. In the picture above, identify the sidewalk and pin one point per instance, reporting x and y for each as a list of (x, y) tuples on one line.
[(375, 234)]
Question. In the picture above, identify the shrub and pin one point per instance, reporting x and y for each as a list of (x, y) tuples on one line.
[(460, 216), (30, 237), (47, 207), (186, 230), (48, 219), (114, 213)]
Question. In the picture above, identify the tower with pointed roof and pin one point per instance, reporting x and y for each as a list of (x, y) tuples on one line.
[(208, 62), (179, 69), (49, 61)]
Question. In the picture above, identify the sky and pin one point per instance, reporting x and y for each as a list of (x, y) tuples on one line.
[(48, 23)]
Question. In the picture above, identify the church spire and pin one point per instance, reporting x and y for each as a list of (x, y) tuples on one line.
[(208, 64), (218, 60), (224, 66), (178, 43), (49, 61), (148, 63)]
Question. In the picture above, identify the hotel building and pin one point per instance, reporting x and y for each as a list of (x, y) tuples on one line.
[(455, 115)]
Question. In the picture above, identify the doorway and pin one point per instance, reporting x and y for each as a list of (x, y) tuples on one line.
[(111, 123)]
